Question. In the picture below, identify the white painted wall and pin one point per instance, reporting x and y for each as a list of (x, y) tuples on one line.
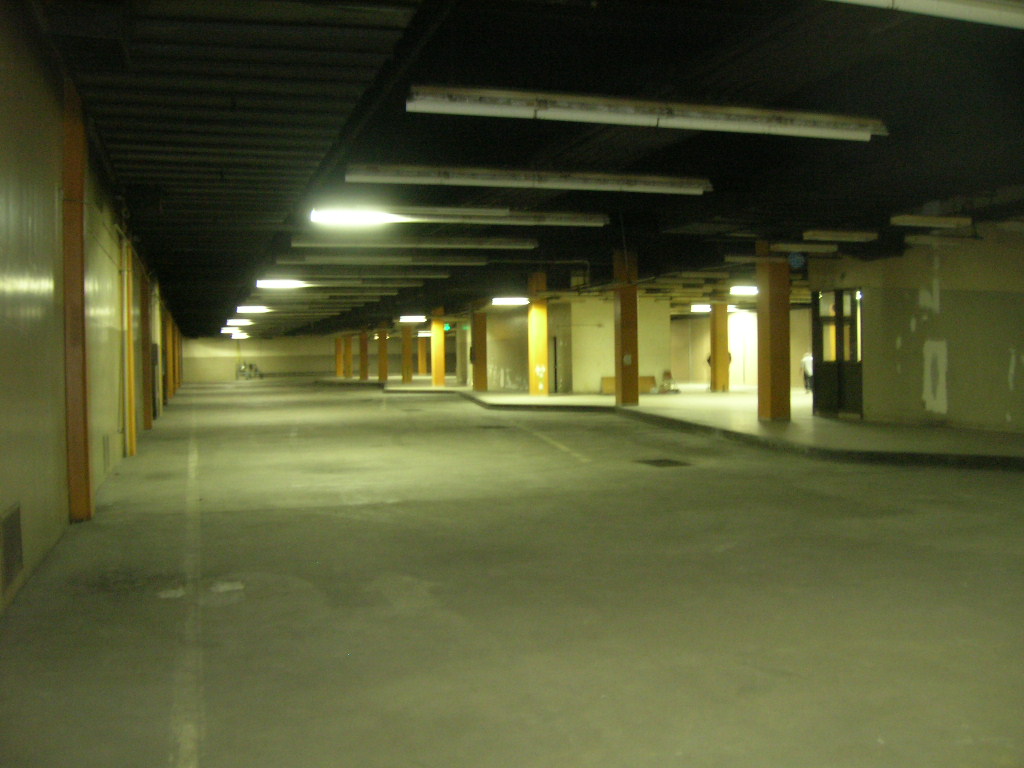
[(32, 433), (593, 343), (943, 331), (654, 339)]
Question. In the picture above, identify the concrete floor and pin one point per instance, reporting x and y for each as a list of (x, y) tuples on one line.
[(293, 575)]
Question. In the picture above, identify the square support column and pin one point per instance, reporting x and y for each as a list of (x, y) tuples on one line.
[(339, 356), (382, 354), (537, 335), (437, 350), (423, 356), (479, 351), (346, 357), (364, 356), (773, 389), (720, 357), (627, 369), (407, 342)]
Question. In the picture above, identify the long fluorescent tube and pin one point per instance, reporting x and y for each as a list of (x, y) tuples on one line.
[(412, 319), (373, 259), (655, 114), (743, 290), (525, 179), (354, 217), (237, 322), (281, 284), (253, 309), (999, 13), (931, 222), (841, 235), (510, 301), (432, 243), (700, 309), (481, 216)]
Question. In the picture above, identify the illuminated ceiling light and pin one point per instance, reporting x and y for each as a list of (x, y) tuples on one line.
[(354, 217), (804, 247), (412, 319), (480, 216), (654, 114), (252, 309), (999, 13), (424, 334), (281, 284), (700, 308), (841, 235), (743, 290), (510, 301), (528, 179), (418, 243), (240, 336), (931, 222), (229, 329), (377, 260), (238, 321)]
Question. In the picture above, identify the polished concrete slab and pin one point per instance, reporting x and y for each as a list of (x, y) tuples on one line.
[(313, 576)]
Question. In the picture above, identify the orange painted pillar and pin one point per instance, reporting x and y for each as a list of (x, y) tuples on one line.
[(146, 332), (339, 356), (364, 356), (407, 337), (478, 344), (423, 356), (537, 335), (382, 354), (76, 393), (437, 350), (773, 387), (346, 357), (627, 370), (720, 348)]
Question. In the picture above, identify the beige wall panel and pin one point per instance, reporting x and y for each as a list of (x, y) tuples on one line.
[(593, 344), (654, 337), (33, 470), (507, 352)]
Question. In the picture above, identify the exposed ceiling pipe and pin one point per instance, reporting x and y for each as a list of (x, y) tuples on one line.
[(999, 13)]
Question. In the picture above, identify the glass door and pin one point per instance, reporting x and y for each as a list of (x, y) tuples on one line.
[(838, 378)]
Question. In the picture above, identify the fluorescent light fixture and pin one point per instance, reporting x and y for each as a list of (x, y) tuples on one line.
[(479, 216), (240, 336), (931, 222), (510, 301), (252, 309), (743, 290), (370, 259), (354, 217), (238, 322), (412, 319), (999, 13), (654, 114), (700, 309), (841, 235), (229, 329), (417, 243), (528, 179), (804, 247), (424, 334), (281, 284)]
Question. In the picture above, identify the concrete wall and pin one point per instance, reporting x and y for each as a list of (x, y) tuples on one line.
[(33, 470), (654, 339), (691, 346), (104, 322), (560, 335), (212, 360), (508, 366), (593, 343), (943, 330)]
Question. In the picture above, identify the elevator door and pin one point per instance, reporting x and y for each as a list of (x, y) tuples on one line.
[(838, 377)]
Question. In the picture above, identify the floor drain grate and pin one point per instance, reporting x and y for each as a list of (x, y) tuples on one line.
[(662, 463)]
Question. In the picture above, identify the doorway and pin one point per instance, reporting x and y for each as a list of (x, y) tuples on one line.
[(836, 346)]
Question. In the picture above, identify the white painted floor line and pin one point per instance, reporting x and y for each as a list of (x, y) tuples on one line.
[(187, 706), (554, 443)]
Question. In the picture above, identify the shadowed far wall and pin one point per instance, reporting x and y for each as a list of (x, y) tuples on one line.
[(508, 366), (33, 475), (942, 330), (216, 360)]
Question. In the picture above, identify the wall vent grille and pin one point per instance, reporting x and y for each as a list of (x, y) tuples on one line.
[(11, 553)]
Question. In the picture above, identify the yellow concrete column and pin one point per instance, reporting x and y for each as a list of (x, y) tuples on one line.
[(339, 356), (478, 343), (346, 357), (627, 367), (76, 392), (773, 386), (720, 357), (128, 340), (537, 335), (423, 355), (364, 356), (382, 354), (437, 351), (146, 333), (407, 337)]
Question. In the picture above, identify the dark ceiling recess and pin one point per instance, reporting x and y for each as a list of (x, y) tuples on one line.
[(222, 123)]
